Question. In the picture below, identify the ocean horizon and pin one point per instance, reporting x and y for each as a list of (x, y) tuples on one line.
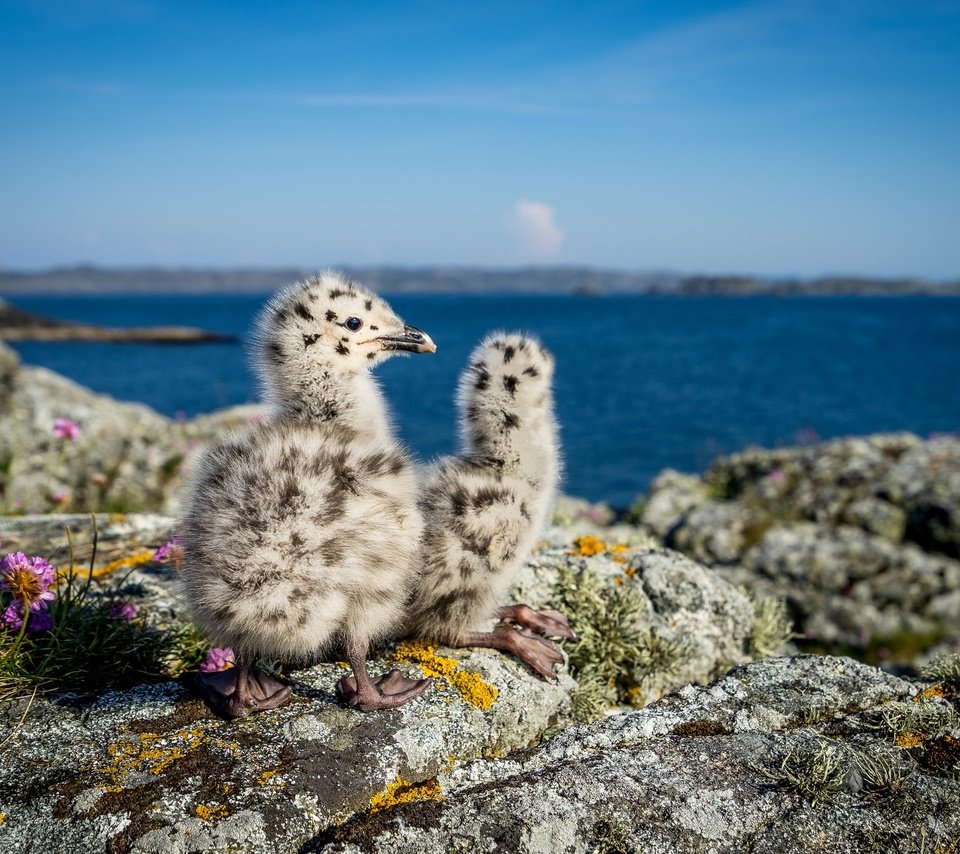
[(643, 383)]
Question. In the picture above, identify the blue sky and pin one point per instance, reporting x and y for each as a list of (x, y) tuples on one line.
[(778, 138)]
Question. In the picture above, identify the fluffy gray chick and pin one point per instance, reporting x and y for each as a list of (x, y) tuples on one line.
[(483, 510), (303, 530)]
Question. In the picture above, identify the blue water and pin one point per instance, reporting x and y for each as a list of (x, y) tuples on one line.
[(642, 383)]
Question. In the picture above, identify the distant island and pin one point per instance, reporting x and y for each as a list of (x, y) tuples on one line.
[(86, 279), (19, 325)]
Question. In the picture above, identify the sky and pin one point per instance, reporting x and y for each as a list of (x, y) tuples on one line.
[(775, 138)]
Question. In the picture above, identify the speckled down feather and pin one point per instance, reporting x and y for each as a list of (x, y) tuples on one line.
[(483, 510), (304, 529)]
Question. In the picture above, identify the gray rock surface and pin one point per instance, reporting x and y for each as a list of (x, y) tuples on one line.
[(127, 457), (700, 771), (860, 536), (150, 770)]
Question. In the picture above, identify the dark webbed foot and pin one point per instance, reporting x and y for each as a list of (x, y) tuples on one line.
[(385, 692), (241, 690), (533, 650), (549, 623)]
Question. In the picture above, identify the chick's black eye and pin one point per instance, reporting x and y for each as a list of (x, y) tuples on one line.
[(353, 323)]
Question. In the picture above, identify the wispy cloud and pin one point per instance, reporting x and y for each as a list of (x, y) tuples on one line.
[(535, 225)]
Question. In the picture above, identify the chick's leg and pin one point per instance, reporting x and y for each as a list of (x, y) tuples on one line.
[(242, 690), (385, 692), (549, 623), (539, 654)]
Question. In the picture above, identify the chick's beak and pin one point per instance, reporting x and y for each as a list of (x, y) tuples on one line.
[(411, 340)]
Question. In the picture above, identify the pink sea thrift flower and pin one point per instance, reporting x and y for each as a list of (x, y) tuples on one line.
[(38, 623), (776, 476), (171, 549), (218, 658), (28, 579), (122, 611), (64, 428)]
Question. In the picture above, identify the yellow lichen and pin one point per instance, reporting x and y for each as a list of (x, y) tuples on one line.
[(267, 776), (470, 686), (908, 739), (589, 545), (3, 818), (209, 813), (402, 791), (619, 548), (128, 562), (931, 692)]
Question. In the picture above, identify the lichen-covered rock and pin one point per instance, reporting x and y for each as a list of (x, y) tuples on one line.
[(126, 457), (850, 587), (150, 770), (860, 535), (686, 624), (925, 482), (783, 755)]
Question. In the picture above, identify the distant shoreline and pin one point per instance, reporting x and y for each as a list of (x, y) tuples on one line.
[(581, 281)]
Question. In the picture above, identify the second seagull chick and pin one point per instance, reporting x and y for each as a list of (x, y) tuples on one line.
[(483, 510), (303, 530)]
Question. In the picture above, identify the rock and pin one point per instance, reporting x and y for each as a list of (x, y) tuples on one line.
[(19, 325), (702, 770), (850, 587), (860, 535), (672, 497), (150, 770), (925, 482), (126, 457), (687, 624), (57, 535)]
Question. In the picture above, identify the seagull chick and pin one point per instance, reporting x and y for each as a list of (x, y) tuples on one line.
[(303, 530), (484, 509)]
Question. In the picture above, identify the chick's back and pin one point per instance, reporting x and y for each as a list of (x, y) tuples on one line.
[(295, 534)]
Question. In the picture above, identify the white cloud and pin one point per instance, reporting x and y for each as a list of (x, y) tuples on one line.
[(535, 226)]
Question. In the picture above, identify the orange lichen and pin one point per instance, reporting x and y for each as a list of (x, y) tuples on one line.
[(908, 739), (470, 686), (402, 791), (128, 562), (619, 548), (588, 545), (209, 813), (267, 776), (931, 692)]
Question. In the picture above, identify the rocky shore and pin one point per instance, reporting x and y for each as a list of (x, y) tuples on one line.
[(682, 720), (19, 325)]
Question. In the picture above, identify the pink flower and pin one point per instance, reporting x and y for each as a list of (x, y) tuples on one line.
[(122, 611), (218, 658), (38, 623), (172, 548), (776, 476), (28, 579), (64, 428)]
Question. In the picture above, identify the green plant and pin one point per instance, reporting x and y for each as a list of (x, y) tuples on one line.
[(770, 628), (945, 669), (815, 771), (96, 641)]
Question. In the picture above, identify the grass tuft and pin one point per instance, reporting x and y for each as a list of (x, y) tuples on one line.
[(770, 628)]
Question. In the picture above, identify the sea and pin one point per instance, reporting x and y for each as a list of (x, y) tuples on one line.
[(643, 383)]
